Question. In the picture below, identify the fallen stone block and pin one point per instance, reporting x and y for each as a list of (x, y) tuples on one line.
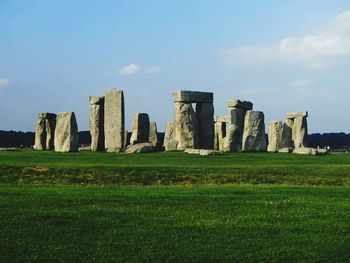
[(286, 150), (140, 148)]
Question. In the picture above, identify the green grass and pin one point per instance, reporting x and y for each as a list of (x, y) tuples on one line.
[(230, 223), (174, 207), (30, 167)]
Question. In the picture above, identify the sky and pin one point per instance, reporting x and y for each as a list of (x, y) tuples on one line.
[(283, 56)]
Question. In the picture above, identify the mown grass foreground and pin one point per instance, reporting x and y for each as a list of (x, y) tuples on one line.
[(233, 208)]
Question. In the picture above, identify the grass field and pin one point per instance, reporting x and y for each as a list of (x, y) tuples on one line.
[(173, 207)]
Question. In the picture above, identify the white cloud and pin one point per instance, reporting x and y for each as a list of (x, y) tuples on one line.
[(314, 51), (130, 69), (4, 82), (133, 69)]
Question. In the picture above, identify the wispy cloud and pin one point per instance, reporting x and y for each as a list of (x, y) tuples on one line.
[(130, 69), (314, 51), (133, 69), (4, 82)]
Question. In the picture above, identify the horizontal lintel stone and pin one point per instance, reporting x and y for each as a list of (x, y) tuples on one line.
[(192, 96), (292, 115), (240, 104)]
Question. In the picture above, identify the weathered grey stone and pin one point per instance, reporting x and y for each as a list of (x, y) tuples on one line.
[(153, 135), (192, 151), (44, 132), (171, 145), (232, 141), (40, 132), (192, 96), (66, 132), (219, 135), (50, 123), (221, 119), (144, 147), (185, 126), (97, 123), (287, 133), (285, 150), (309, 151), (84, 148), (140, 129), (205, 116), (114, 120), (299, 132), (292, 115), (9, 149), (126, 143), (203, 152), (240, 104), (275, 136), (254, 138), (236, 117), (169, 133)]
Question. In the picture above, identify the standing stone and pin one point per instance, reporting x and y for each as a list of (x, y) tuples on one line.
[(299, 132), (275, 136), (287, 141), (97, 123), (236, 117), (126, 138), (66, 132), (186, 126), (153, 137), (230, 142), (50, 123), (254, 138), (237, 112), (114, 120), (170, 143), (219, 135), (205, 115), (140, 130), (40, 132)]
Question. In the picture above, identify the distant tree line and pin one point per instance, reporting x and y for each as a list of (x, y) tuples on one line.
[(16, 139)]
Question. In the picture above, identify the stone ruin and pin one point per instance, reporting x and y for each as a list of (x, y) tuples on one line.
[(66, 132), (243, 129), (292, 134), (191, 129), (96, 123), (114, 121), (45, 131)]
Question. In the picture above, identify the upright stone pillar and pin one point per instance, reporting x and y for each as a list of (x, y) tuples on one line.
[(97, 123), (205, 115), (231, 139), (50, 123), (140, 130), (219, 132), (254, 138), (153, 135), (170, 143), (114, 120), (237, 112), (300, 132), (185, 126), (40, 132), (66, 132), (287, 141), (275, 136)]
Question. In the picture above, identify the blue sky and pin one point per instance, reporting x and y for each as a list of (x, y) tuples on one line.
[(281, 55)]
